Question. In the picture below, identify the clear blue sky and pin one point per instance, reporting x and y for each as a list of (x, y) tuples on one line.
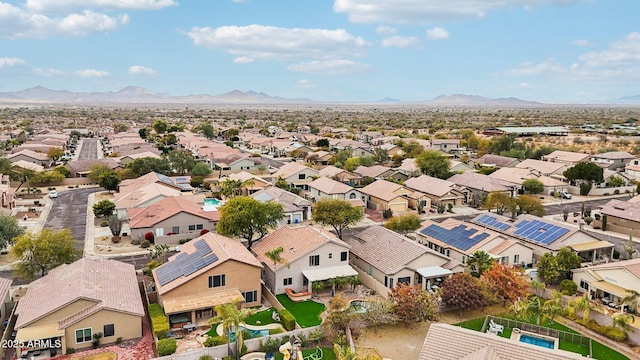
[(332, 50)]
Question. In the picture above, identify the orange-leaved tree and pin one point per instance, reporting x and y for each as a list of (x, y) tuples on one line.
[(505, 282)]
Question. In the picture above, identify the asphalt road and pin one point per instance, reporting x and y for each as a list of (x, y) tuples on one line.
[(89, 149), (557, 209), (69, 211)]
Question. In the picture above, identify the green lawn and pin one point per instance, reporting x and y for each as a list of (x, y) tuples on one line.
[(327, 353), (212, 331), (599, 351), (261, 318), (307, 313)]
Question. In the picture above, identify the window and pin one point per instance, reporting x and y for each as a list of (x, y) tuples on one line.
[(250, 296), (199, 227), (305, 281), (404, 280), (584, 285), (192, 228), (464, 259), (352, 196), (217, 281), (343, 256), (516, 259), (448, 253), (314, 260), (83, 335), (287, 281), (390, 283), (330, 255), (108, 330), (504, 260), (301, 176), (175, 229)]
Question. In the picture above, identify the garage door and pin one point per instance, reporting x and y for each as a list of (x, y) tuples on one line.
[(398, 207)]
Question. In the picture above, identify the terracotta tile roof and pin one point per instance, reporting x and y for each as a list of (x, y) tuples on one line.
[(223, 247), (382, 189), (330, 171), (30, 153), (545, 167), (430, 185), (5, 285), (329, 186), (371, 171), (110, 284), (565, 156), (628, 210), (296, 240), (614, 155), (128, 197), (289, 169), (497, 160), (479, 181), (289, 201), (475, 345), (387, 250), (148, 216), (79, 166)]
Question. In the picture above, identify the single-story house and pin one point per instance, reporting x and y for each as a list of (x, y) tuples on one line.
[(438, 190), (208, 271), (250, 183), (610, 282), (622, 216), (375, 171), (383, 195), (75, 301), (384, 258), (30, 156), (341, 175), (491, 160), (566, 157), (296, 208), (313, 254), (480, 185), (553, 169), (328, 188)]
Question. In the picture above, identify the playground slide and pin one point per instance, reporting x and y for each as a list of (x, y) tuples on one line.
[(285, 349)]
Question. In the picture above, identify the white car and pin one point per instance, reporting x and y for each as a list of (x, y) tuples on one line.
[(53, 194)]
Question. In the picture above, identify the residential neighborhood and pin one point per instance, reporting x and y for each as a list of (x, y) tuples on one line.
[(165, 239)]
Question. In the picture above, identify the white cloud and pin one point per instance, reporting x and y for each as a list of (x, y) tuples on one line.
[(47, 72), (525, 85), (92, 73), (49, 6), (243, 60), (437, 33), (305, 84), (386, 30), (427, 11), (6, 62), (399, 41), (142, 70), (581, 42), (332, 67), (276, 43), (19, 23), (619, 63)]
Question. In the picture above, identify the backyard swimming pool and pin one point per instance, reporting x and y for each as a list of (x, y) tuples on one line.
[(211, 202), (533, 340), (358, 306)]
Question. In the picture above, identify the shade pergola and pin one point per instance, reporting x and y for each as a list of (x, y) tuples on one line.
[(329, 273)]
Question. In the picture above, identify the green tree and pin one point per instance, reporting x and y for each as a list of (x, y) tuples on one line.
[(276, 256), (582, 305), (552, 308), (622, 321), (98, 171), (205, 129), (433, 163), (231, 133), (615, 181), (9, 230), (323, 143), (55, 153), (103, 208), (339, 214), (380, 155), (181, 161), (567, 260), (142, 133), (36, 254), (367, 160), (231, 316), (61, 170), (527, 204), (533, 186), (589, 172), (351, 163), (146, 165), (501, 144), (247, 218), (479, 262), (500, 201), (160, 126), (110, 181), (231, 188), (343, 155), (403, 223), (47, 177), (201, 169)]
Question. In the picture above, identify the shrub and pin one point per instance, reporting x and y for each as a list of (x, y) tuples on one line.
[(135, 242), (568, 287), (104, 224), (608, 331), (203, 231), (145, 244), (149, 237), (167, 347), (36, 202), (246, 334), (588, 220), (159, 322), (271, 345), (276, 331), (214, 341), (153, 264), (205, 357), (616, 191), (70, 350), (287, 319), (119, 340), (585, 187), (387, 213), (182, 241)]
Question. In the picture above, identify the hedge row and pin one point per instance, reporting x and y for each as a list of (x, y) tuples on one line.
[(167, 347), (159, 321), (608, 331), (287, 319)]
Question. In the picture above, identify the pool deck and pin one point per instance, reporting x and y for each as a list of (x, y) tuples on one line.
[(220, 330)]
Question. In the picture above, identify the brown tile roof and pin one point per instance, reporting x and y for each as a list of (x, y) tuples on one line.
[(628, 210), (632, 266), (289, 201), (30, 153), (382, 189), (329, 186), (497, 160), (479, 181), (430, 185), (148, 216), (371, 171), (475, 345), (223, 247), (545, 167), (387, 250), (289, 169), (79, 166), (140, 195), (5, 285), (296, 240), (565, 156), (111, 284)]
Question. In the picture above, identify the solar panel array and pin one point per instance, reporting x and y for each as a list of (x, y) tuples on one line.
[(186, 264), (492, 222), (539, 231), (459, 237)]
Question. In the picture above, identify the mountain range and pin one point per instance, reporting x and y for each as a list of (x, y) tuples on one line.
[(139, 95)]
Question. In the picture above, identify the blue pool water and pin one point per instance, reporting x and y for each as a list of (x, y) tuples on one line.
[(254, 333), (358, 306), (549, 344), (211, 202)]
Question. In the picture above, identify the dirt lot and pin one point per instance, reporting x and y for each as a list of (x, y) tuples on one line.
[(104, 245), (399, 342)]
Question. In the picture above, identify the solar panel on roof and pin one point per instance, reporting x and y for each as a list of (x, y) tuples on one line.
[(459, 237), (185, 264)]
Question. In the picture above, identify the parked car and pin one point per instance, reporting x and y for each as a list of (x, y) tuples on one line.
[(53, 194), (565, 195)]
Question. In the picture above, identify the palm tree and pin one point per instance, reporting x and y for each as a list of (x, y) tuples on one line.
[(276, 256), (231, 316), (479, 262), (630, 299), (317, 286), (581, 304), (537, 286), (551, 308), (622, 321), (533, 306)]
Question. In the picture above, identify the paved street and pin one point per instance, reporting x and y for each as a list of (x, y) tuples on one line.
[(69, 211), (575, 206), (89, 149)]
